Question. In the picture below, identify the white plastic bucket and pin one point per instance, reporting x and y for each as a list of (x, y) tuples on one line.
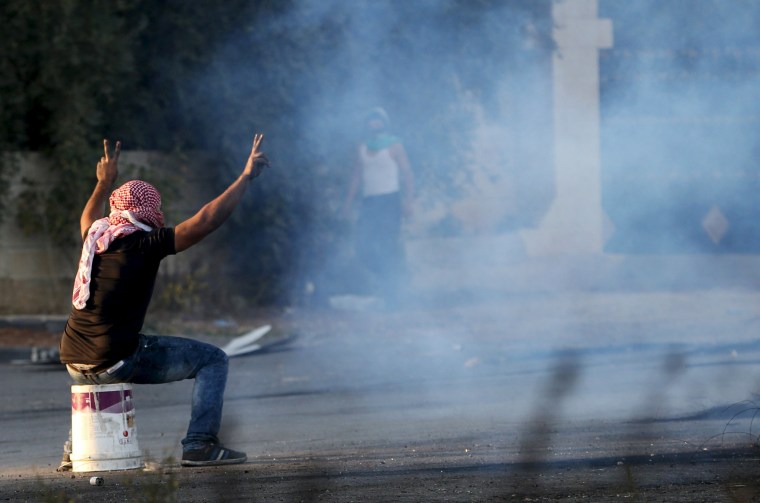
[(103, 433)]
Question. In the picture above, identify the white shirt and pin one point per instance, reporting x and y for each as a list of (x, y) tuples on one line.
[(379, 172)]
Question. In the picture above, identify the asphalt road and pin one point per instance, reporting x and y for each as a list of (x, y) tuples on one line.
[(578, 397)]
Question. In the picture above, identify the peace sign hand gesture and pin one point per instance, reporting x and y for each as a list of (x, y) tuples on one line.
[(108, 167), (257, 161)]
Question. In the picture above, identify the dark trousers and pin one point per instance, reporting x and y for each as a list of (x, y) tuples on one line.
[(378, 242)]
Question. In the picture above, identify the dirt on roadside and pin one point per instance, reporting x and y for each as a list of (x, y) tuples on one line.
[(45, 336), (14, 337)]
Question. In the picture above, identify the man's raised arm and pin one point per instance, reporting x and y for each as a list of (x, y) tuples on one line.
[(214, 213), (107, 171)]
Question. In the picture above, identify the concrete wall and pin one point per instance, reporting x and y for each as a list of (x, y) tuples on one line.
[(36, 274)]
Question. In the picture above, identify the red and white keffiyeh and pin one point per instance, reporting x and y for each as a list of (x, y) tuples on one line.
[(136, 205)]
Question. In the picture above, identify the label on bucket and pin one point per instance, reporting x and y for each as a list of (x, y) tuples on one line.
[(105, 401)]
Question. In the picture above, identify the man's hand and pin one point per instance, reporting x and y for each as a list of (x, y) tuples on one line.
[(215, 212), (108, 167), (257, 161)]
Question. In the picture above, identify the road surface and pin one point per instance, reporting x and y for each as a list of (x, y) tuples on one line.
[(649, 396)]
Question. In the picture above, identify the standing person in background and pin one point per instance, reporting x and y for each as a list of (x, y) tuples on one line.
[(102, 343), (384, 176)]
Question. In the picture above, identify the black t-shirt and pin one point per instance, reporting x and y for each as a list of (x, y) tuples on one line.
[(107, 329)]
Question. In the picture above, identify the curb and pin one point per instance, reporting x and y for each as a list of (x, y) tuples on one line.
[(33, 355), (7, 355), (51, 323)]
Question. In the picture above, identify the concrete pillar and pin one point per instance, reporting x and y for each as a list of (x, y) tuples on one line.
[(574, 223)]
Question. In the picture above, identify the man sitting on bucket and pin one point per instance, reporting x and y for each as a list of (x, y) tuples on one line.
[(102, 343)]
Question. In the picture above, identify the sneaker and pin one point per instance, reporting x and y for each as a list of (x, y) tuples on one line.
[(212, 455), (66, 464)]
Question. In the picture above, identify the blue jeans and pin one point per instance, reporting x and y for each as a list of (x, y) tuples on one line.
[(160, 359)]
